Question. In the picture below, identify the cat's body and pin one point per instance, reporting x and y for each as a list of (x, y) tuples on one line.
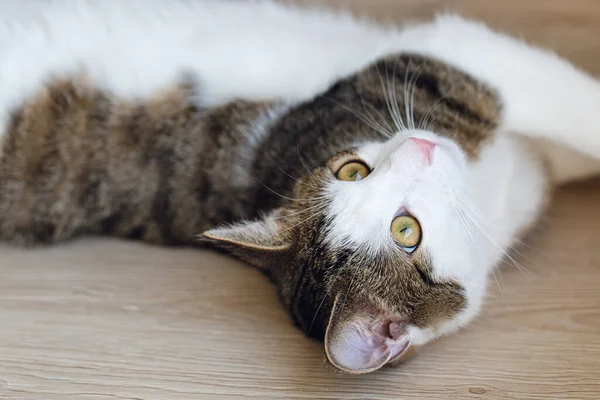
[(202, 113)]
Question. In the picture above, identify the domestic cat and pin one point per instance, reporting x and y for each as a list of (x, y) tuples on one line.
[(374, 173)]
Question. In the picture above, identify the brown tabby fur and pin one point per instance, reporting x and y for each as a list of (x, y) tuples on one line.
[(76, 160)]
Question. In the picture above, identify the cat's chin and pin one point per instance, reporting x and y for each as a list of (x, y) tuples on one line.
[(362, 342)]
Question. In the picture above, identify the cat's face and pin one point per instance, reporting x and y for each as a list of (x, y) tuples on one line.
[(371, 256)]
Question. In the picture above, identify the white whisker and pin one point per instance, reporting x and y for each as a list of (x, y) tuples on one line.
[(425, 118), (483, 218), (389, 130), (306, 167), (295, 179), (412, 98), (369, 121), (317, 207), (475, 223), (321, 197), (299, 223), (405, 89), (465, 228), (394, 98), (388, 101), (337, 276)]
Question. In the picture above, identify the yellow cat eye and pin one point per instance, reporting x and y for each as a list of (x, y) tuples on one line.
[(406, 231), (353, 171)]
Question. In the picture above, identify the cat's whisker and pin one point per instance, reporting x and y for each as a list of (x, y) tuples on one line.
[(394, 98), (483, 218), (466, 208), (408, 110), (312, 323), (379, 113), (320, 197), (337, 276), (318, 207), (317, 212), (295, 179), (520, 267), (348, 292), (333, 281), (473, 241), (497, 280), (472, 212), (434, 126), (388, 101), (389, 130), (424, 121), (391, 97), (412, 98), (376, 125), (370, 121), (469, 208), (465, 228), (301, 222), (405, 89), (320, 180)]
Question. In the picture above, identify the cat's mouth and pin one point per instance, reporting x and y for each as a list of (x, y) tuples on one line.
[(362, 341)]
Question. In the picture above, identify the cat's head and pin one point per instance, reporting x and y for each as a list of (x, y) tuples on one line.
[(370, 255)]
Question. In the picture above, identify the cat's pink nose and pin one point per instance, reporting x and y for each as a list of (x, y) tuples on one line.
[(425, 146)]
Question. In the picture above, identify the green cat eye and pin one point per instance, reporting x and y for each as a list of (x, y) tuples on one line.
[(353, 171), (407, 232)]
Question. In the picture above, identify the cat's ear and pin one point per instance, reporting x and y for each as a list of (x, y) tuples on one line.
[(359, 339), (255, 242)]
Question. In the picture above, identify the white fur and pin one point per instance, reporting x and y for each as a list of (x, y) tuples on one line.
[(261, 50)]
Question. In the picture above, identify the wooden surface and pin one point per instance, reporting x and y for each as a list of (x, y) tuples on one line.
[(101, 319)]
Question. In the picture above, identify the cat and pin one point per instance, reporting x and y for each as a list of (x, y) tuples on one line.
[(376, 174)]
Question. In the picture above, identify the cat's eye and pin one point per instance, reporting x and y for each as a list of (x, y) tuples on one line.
[(406, 231), (353, 171)]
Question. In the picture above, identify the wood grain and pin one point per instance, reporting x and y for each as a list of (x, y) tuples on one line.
[(101, 319)]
